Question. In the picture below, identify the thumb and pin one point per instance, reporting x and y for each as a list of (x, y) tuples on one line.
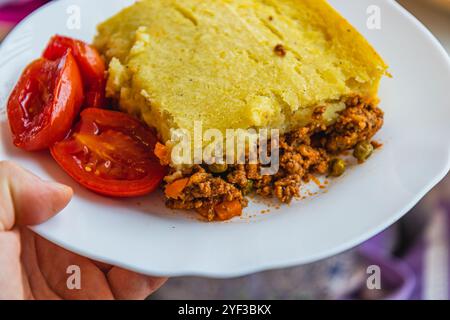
[(27, 200)]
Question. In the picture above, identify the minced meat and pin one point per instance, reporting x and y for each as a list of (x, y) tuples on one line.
[(303, 153)]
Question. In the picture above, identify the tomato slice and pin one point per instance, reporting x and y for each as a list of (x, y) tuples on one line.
[(45, 102), (91, 64), (111, 153)]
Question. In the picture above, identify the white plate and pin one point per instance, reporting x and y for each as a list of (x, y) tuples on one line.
[(150, 239)]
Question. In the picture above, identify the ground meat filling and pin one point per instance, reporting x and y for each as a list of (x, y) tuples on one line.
[(204, 192), (358, 122), (303, 153)]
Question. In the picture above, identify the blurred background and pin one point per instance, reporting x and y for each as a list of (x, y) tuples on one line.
[(413, 255)]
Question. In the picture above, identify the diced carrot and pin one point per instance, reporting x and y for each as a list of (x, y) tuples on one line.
[(228, 210), (175, 189), (206, 213), (162, 152)]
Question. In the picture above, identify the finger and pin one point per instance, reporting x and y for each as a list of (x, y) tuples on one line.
[(102, 266), (54, 263), (13, 283), (127, 285), (38, 284), (26, 199)]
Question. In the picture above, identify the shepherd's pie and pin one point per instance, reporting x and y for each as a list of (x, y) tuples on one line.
[(292, 65)]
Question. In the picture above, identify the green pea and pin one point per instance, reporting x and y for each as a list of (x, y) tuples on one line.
[(363, 151), (337, 167), (218, 168), (248, 188)]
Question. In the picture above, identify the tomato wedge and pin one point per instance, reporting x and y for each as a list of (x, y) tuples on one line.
[(45, 102), (111, 153), (91, 64)]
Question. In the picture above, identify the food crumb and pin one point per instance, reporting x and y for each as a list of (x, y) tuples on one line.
[(316, 181), (280, 50), (376, 144)]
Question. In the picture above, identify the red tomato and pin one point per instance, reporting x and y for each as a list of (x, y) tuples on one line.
[(91, 64), (45, 102), (111, 153)]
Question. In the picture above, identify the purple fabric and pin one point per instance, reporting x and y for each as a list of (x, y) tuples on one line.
[(11, 12), (415, 260), (398, 279), (424, 272)]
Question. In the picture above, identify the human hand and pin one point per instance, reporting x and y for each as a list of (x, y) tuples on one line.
[(33, 268)]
